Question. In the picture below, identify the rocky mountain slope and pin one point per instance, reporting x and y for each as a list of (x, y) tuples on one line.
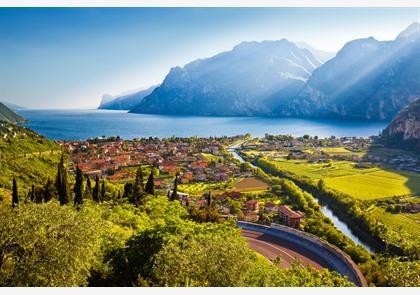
[(8, 115), (237, 82), (367, 79), (124, 102), (404, 130)]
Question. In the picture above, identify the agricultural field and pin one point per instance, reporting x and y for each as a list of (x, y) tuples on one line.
[(361, 183), (250, 184), (408, 223), (199, 188), (341, 151), (376, 185)]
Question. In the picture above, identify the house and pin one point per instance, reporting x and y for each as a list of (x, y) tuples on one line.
[(270, 207), (289, 217), (250, 216), (252, 205)]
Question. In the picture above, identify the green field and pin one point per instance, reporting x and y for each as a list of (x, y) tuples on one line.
[(360, 183), (409, 223)]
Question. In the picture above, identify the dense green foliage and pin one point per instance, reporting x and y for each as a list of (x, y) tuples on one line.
[(118, 244)]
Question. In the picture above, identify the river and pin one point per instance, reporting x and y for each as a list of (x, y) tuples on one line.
[(341, 225)]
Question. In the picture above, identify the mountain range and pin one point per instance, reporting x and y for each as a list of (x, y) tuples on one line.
[(367, 79), (126, 101), (6, 114)]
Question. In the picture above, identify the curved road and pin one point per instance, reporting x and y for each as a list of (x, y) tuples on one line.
[(271, 247)]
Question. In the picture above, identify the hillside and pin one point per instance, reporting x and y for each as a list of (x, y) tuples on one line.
[(26, 155), (6, 114), (235, 82), (368, 79), (126, 101), (404, 130)]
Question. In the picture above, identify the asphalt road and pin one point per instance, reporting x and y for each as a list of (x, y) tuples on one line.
[(272, 247)]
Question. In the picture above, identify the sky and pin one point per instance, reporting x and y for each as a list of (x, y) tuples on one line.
[(67, 58)]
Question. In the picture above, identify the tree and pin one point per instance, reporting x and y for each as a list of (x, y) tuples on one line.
[(150, 185), (174, 195), (88, 189), (96, 190), (15, 195), (78, 187), (128, 190), (53, 246), (208, 200), (103, 191), (32, 193), (48, 191), (137, 196), (61, 183)]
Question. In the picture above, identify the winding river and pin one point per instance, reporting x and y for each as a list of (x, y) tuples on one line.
[(341, 225)]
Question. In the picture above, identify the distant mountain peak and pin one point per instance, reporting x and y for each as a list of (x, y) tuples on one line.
[(412, 31)]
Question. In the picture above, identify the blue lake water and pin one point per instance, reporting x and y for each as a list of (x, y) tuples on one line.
[(82, 124), (77, 124)]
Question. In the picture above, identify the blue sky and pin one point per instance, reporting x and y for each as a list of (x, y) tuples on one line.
[(69, 57)]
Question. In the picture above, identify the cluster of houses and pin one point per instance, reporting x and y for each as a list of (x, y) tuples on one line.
[(201, 161), (251, 209)]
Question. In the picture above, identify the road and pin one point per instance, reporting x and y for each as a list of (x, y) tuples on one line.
[(271, 247)]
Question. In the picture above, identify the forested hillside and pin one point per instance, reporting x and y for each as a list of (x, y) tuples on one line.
[(26, 156)]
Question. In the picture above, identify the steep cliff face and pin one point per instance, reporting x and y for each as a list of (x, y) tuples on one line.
[(367, 79), (404, 130), (236, 82)]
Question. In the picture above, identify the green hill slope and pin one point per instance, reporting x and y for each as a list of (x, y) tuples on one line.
[(8, 115), (26, 155)]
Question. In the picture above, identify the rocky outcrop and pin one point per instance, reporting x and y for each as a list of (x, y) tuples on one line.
[(404, 130), (367, 79)]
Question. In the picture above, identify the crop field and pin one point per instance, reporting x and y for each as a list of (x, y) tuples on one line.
[(409, 223), (199, 188), (341, 151), (376, 185), (250, 184), (360, 183)]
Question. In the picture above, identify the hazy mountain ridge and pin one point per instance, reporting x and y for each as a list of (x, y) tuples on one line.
[(235, 82), (404, 130), (6, 114), (368, 79), (125, 101)]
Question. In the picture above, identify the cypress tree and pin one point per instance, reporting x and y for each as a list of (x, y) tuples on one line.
[(61, 183), (32, 193), (78, 187), (88, 189), (96, 190), (15, 195), (48, 194), (138, 189), (208, 199), (174, 195), (128, 190), (150, 185), (103, 191)]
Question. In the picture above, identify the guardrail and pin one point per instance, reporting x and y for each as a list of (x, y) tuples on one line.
[(332, 256)]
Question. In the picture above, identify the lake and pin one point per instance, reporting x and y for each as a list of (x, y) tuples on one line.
[(83, 124)]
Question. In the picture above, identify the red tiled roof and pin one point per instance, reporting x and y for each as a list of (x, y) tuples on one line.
[(289, 212)]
